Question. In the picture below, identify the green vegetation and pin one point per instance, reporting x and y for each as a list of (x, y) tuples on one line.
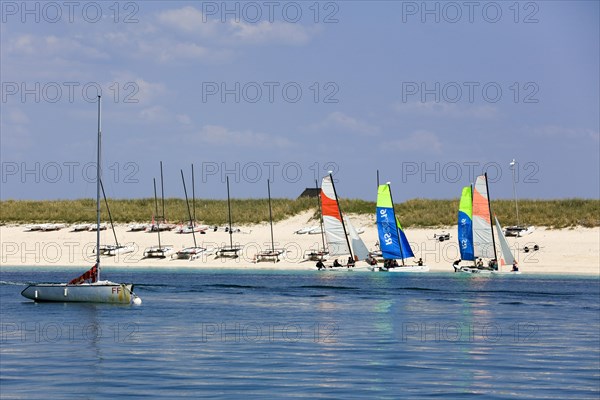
[(412, 213)]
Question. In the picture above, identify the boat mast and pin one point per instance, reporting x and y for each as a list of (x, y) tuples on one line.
[(162, 192), (156, 213), (109, 213), (193, 197), (188, 207), (341, 215), (474, 257), (396, 222), (320, 214), (512, 167), (98, 175), (229, 213), (487, 188), (270, 215)]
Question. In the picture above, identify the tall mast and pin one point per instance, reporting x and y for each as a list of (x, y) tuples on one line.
[(512, 167), (396, 222), (193, 197), (270, 215), (378, 179), (320, 213), (156, 213), (188, 208), (229, 213), (341, 216), (98, 176), (487, 188), (162, 192)]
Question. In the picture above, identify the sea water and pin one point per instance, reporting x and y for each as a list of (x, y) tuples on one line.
[(338, 335)]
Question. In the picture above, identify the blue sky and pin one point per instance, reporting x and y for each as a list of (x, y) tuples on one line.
[(430, 94)]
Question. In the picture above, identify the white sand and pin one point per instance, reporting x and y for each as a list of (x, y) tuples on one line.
[(568, 251)]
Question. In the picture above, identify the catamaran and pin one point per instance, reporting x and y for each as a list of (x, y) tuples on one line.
[(114, 249), (160, 251), (476, 237), (517, 230), (271, 254), (393, 243), (230, 251), (189, 253), (334, 225), (87, 287)]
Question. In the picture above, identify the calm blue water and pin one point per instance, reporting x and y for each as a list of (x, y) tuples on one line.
[(229, 334)]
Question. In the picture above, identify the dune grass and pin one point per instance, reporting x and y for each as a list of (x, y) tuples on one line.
[(413, 213)]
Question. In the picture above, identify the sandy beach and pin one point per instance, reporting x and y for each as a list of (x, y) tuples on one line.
[(561, 251)]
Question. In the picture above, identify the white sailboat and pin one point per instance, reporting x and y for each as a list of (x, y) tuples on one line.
[(190, 253), (334, 226), (517, 230), (271, 254), (88, 287)]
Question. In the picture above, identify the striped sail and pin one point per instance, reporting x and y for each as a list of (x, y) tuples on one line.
[(392, 241), (332, 219), (507, 257), (465, 224)]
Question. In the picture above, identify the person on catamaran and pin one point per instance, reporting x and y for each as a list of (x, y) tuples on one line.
[(351, 262), (320, 265), (479, 263), (336, 263), (493, 264), (420, 262), (456, 265), (515, 267)]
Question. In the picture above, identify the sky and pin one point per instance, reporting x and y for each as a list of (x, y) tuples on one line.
[(430, 94)]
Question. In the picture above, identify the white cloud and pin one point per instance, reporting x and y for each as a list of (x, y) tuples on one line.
[(453, 110), (271, 32), (339, 121), (53, 46), (566, 133), (188, 20), (221, 136), (420, 140)]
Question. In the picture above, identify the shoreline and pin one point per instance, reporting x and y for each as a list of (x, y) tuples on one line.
[(561, 251)]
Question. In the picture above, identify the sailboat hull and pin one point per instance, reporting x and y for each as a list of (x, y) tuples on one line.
[(404, 268), (100, 292)]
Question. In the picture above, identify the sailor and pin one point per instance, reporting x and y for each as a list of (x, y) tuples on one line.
[(336, 263), (320, 265), (350, 262), (456, 266), (420, 262), (515, 267)]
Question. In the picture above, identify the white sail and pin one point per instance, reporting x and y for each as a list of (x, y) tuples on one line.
[(482, 223), (360, 250), (332, 219), (507, 256)]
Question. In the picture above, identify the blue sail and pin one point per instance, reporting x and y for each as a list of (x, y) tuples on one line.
[(465, 225), (406, 250), (389, 242)]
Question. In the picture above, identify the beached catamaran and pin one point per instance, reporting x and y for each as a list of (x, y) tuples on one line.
[(189, 253), (334, 224), (230, 251), (87, 287), (476, 237), (162, 250), (392, 240), (270, 254)]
